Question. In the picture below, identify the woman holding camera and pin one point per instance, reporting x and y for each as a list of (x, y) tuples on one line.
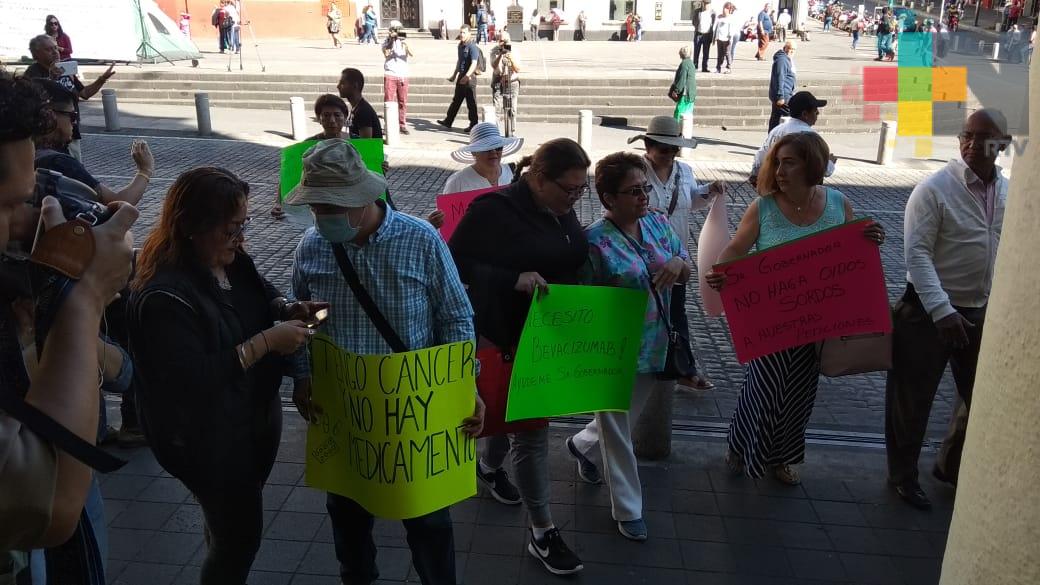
[(631, 247), (207, 346), (767, 433)]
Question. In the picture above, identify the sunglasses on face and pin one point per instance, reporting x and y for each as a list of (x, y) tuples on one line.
[(72, 116), (52, 23)]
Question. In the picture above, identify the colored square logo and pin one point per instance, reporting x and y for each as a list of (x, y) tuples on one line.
[(950, 84), (915, 119), (880, 84), (915, 84), (948, 118), (915, 50)]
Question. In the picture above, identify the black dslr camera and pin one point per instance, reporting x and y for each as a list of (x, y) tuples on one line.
[(77, 200)]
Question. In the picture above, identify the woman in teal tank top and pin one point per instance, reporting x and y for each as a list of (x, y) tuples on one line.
[(767, 433)]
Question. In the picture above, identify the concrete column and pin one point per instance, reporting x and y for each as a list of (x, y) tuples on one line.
[(298, 118), (487, 114), (887, 143), (202, 114), (585, 129), (392, 130), (993, 536), (687, 132), (111, 109)]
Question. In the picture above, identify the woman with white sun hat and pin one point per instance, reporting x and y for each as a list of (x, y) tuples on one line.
[(485, 151)]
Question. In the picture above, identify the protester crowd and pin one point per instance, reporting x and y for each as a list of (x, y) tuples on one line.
[(206, 390)]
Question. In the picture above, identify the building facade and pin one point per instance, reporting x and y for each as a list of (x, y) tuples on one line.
[(661, 19)]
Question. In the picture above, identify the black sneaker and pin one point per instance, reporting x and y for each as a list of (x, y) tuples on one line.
[(497, 482), (554, 553), (587, 470)]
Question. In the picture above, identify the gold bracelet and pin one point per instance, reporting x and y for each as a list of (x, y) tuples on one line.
[(146, 176), (252, 349), (241, 352)]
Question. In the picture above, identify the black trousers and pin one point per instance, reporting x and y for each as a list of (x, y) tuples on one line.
[(430, 537), (234, 527), (463, 91), (701, 42), (919, 359), (776, 113), (677, 315)]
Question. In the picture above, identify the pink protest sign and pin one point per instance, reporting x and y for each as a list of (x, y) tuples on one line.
[(454, 206), (825, 285)]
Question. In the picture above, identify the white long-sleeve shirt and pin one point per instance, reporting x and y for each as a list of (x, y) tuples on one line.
[(950, 244), (690, 195), (789, 127)]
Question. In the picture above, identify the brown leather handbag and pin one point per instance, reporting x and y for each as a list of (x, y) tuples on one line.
[(855, 354)]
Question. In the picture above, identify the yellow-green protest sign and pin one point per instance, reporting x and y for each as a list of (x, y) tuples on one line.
[(390, 435), (291, 169), (578, 352)]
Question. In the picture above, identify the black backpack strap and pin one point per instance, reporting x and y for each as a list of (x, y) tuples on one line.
[(61, 437), (377, 317)]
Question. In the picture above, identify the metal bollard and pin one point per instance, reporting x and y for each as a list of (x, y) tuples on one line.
[(111, 108), (488, 114), (886, 143), (297, 118), (982, 47), (585, 129), (956, 43), (996, 51), (202, 114), (687, 132), (390, 125)]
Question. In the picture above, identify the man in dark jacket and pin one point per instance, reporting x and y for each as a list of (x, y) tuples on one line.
[(781, 83), (465, 80)]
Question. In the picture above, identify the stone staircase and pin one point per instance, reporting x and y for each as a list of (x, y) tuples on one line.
[(733, 103)]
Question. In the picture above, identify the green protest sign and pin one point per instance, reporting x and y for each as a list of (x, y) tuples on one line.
[(370, 149), (389, 433), (578, 352)]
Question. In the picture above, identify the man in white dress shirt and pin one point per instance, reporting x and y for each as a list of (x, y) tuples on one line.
[(951, 232)]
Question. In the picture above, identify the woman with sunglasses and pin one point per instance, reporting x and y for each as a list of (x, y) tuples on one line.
[(208, 334), (508, 244), (52, 27), (676, 192), (632, 246), (52, 151)]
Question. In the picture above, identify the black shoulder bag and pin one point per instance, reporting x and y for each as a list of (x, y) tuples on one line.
[(377, 317), (679, 359)]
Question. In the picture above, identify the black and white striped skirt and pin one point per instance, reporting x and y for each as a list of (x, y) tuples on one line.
[(774, 407)]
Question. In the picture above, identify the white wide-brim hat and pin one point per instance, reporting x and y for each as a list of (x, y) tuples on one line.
[(485, 137), (334, 174)]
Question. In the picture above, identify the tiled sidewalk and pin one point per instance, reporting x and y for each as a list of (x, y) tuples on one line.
[(706, 527)]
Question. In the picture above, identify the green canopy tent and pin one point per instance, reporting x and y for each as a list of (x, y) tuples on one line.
[(160, 38)]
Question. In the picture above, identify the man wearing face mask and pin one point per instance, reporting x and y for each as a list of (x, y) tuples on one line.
[(406, 269)]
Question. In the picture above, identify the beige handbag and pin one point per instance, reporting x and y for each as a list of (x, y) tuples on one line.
[(855, 354)]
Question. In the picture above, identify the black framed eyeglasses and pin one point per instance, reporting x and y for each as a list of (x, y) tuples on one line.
[(240, 230), (53, 23), (72, 115), (580, 191)]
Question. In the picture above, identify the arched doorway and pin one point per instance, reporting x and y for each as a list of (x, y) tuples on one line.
[(407, 11)]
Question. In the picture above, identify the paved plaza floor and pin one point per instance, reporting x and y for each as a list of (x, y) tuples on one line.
[(842, 526)]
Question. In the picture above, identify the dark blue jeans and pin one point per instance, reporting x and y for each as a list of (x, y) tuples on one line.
[(430, 537)]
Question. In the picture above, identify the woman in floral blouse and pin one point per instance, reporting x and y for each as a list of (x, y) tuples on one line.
[(630, 247)]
